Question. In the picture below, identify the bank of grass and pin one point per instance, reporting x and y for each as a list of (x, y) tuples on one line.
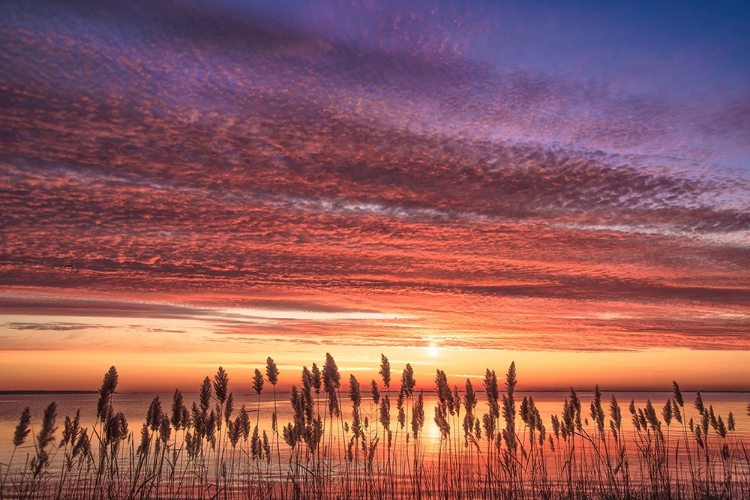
[(361, 445)]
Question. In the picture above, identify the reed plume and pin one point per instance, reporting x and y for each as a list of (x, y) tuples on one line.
[(258, 382), (180, 417), (385, 371), (331, 383), (316, 380), (153, 415), (44, 438), (23, 428), (677, 393), (407, 380), (509, 408), (375, 392), (109, 385), (221, 385)]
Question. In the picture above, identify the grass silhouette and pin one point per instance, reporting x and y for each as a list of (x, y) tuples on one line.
[(484, 449)]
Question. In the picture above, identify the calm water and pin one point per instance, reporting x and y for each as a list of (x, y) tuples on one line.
[(134, 406)]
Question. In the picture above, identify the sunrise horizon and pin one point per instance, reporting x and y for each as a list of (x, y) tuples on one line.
[(456, 185), (150, 369)]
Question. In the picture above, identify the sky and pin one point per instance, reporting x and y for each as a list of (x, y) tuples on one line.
[(457, 185)]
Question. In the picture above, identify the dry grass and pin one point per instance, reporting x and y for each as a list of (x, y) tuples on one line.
[(214, 450)]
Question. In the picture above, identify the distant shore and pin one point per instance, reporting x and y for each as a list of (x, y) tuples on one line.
[(27, 392)]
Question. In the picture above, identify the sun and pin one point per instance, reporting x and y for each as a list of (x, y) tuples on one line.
[(433, 350)]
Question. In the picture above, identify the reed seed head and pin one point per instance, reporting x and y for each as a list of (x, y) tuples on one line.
[(71, 430), (116, 428), (298, 405), (204, 395), (145, 440), (153, 416), (221, 385), (385, 412), (492, 392), (699, 403), (677, 394), (375, 392), (234, 432), (333, 403), (676, 412), (164, 429), (331, 375), (23, 428), (229, 408), (470, 398), (510, 380), (407, 381), (468, 427), (210, 429), (255, 444), (417, 417), (354, 391), (556, 426), (82, 447), (47, 432), (317, 381), (290, 436), (244, 422), (272, 371), (258, 382), (721, 428), (712, 417), (456, 402), (307, 399), (488, 423), (442, 389), (651, 417), (385, 371), (356, 422), (440, 421), (266, 447), (667, 412), (178, 410), (109, 385)]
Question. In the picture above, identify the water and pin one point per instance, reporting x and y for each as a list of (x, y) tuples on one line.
[(135, 406), (438, 458)]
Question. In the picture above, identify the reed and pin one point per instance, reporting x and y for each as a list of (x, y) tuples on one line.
[(506, 452)]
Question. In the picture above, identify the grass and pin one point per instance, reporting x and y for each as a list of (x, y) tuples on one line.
[(351, 447)]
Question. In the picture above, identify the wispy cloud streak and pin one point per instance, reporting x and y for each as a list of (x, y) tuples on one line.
[(223, 156)]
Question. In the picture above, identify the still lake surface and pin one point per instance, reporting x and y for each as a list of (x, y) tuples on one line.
[(135, 406)]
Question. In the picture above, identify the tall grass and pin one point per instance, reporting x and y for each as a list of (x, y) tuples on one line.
[(498, 448)]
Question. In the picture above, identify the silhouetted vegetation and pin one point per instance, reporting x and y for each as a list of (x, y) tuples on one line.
[(214, 450)]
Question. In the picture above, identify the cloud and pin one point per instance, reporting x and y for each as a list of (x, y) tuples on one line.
[(53, 326), (204, 151)]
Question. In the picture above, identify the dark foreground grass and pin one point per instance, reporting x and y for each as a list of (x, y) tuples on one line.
[(366, 445)]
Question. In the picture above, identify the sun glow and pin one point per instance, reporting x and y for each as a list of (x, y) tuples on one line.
[(433, 350)]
